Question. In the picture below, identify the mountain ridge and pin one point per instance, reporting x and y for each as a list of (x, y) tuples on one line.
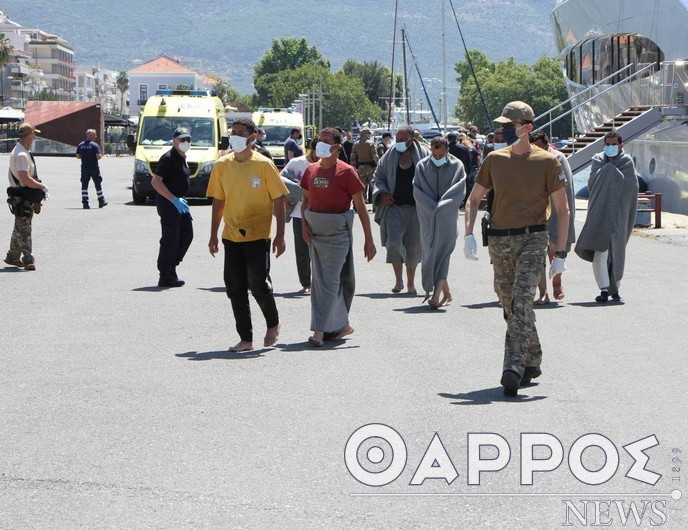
[(225, 39)]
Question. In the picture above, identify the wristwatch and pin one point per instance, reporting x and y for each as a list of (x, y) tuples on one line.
[(560, 254)]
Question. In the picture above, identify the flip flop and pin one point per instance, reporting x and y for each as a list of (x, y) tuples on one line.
[(545, 301)]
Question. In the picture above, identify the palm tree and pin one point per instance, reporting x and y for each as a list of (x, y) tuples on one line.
[(122, 83), (5, 55)]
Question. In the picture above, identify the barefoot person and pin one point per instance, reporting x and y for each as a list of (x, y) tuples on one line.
[(246, 189), (330, 186), (395, 207), (439, 186), (541, 140)]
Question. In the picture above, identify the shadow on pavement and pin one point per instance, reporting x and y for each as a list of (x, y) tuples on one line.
[(379, 296), (595, 304), (420, 308), (11, 268), (328, 345), (222, 355), (491, 395), (150, 289), (213, 289), (294, 294), (482, 305)]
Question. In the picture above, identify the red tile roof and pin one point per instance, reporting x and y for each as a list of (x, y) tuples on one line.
[(162, 64)]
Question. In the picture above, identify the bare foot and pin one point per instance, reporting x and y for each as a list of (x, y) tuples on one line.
[(398, 287), (242, 346), (348, 330), (446, 300), (412, 290), (271, 336), (316, 339), (433, 303), (543, 300), (556, 287)]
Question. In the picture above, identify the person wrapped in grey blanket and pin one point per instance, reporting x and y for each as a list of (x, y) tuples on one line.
[(439, 186), (612, 206), (395, 207)]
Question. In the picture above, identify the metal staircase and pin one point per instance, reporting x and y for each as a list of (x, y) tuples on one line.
[(629, 124), (643, 97)]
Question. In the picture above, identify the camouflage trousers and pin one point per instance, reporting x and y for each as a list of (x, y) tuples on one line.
[(365, 173), (20, 243), (517, 263)]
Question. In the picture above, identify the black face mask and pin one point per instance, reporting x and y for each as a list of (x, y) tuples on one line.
[(509, 135)]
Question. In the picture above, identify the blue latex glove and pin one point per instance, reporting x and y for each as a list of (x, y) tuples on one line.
[(181, 205)]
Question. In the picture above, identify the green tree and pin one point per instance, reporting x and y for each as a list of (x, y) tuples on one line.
[(375, 78), (5, 55), (540, 85), (122, 83), (281, 88), (44, 95), (345, 102), (285, 55)]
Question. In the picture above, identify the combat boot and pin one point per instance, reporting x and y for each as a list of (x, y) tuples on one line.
[(86, 206), (510, 381), (532, 372)]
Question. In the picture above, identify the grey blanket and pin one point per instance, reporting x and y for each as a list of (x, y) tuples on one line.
[(612, 205), (333, 281), (438, 193), (385, 180), (293, 183), (571, 199)]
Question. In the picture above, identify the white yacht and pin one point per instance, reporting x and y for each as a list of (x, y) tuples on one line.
[(625, 66)]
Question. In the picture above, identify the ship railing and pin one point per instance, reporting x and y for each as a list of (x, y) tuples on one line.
[(647, 70)]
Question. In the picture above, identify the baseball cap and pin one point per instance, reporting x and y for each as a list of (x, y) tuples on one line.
[(452, 136), (26, 128), (181, 132), (516, 110), (365, 130)]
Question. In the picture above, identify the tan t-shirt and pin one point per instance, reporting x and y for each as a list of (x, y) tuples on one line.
[(522, 186)]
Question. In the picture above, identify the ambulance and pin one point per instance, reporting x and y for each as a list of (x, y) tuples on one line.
[(278, 124), (199, 111)]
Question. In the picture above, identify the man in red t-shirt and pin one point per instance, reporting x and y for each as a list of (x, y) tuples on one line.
[(330, 186)]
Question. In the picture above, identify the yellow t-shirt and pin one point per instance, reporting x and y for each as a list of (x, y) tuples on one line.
[(522, 186), (248, 189)]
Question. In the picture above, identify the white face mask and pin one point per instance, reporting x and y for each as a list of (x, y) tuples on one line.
[(184, 146), (237, 143), (499, 145), (322, 150), (440, 162)]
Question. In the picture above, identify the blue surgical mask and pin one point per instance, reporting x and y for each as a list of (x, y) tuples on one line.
[(400, 146), (498, 146), (440, 162), (322, 150), (611, 150)]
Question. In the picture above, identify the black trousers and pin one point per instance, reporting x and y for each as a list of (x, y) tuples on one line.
[(177, 234), (303, 254), (247, 267)]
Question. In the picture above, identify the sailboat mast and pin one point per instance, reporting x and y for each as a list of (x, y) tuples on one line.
[(404, 80), (391, 80), (444, 69)]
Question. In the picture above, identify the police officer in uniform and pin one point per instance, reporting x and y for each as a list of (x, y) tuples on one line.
[(88, 152), (364, 158), (523, 178), (171, 181)]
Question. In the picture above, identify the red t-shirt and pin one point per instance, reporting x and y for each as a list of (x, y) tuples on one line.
[(330, 190)]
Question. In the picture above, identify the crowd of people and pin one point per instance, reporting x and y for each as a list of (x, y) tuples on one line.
[(416, 190)]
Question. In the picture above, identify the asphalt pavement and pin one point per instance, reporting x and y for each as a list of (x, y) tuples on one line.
[(121, 407)]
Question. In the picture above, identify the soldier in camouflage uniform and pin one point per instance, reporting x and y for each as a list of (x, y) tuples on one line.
[(364, 158), (25, 192), (523, 178)]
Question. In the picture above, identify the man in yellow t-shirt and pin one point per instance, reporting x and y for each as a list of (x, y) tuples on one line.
[(246, 188)]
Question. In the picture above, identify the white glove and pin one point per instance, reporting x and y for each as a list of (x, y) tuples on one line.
[(47, 195), (470, 247), (557, 267)]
